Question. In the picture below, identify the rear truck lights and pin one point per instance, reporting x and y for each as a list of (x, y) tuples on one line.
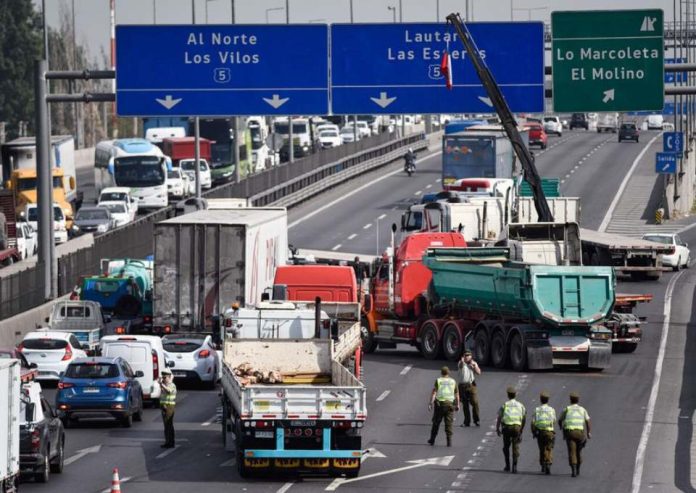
[(120, 330), (167, 329)]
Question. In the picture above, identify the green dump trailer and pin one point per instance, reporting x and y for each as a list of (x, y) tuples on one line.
[(522, 315)]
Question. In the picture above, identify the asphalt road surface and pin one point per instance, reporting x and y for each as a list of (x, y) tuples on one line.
[(399, 381)]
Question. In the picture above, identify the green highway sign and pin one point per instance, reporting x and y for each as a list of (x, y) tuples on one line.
[(608, 60)]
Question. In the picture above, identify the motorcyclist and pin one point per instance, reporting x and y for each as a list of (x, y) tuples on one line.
[(410, 159)]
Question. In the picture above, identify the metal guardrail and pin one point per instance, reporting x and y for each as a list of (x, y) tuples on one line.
[(23, 290)]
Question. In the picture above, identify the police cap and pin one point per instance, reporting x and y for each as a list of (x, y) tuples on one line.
[(574, 395), (467, 353), (512, 390), (444, 370), (545, 394)]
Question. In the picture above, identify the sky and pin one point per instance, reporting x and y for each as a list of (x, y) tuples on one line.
[(92, 16)]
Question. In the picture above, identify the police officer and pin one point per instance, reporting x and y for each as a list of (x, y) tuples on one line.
[(542, 425), (468, 370), (445, 399), (167, 404), (512, 416), (575, 422)]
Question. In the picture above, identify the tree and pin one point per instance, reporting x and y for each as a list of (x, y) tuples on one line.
[(20, 45)]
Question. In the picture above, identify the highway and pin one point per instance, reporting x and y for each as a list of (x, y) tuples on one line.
[(591, 166)]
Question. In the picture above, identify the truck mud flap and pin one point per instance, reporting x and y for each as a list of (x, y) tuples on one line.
[(599, 356), (539, 355)]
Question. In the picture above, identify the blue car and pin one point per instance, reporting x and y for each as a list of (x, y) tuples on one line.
[(92, 386)]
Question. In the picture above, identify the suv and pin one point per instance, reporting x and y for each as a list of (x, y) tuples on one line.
[(42, 437), (579, 120), (628, 131), (553, 125)]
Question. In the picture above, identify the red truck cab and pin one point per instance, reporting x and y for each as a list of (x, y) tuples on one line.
[(179, 148), (331, 283)]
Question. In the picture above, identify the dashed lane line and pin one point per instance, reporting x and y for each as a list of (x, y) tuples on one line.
[(383, 395), (367, 226), (406, 369), (382, 217), (336, 247), (352, 236), (166, 452)]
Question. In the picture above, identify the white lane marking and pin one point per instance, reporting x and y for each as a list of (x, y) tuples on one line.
[(650, 412), (572, 171), (439, 179), (406, 369), (209, 422), (285, 487), (121, 481), (166, 453), (356, 190), (383, 395), (429, 185), (610, 212), (562, 182), (336, 247), (417, 193), (367, 226), (229, 463), (382, 217), (352, 236)]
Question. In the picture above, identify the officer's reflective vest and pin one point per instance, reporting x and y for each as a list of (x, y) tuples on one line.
[(513, 411), (544, 417), (168, 398), (445, 389), (575, 416)]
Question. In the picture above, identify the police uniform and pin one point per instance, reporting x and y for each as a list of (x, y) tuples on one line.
[(512, 416), (445, 393), (167, 405), (573, 420), (542, 429)]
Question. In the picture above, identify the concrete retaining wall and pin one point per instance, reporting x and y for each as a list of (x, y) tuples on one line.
[(13, 329)]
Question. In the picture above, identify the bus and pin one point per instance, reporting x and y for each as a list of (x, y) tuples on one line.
[(136, 164), (222, 162)]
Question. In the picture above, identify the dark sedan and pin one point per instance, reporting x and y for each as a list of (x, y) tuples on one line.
[(628, 131)]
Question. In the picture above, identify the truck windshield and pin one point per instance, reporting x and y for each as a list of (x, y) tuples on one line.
[(188, 165), (33, 214), (91, 370), (30, 183), (297, 128), (139, 171), (467, 158)]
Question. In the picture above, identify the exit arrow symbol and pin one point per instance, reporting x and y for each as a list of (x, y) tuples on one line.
[(433, 461), (608, 96), (383, 101), (486, 101), (168, 102), (666, 167), (81, 453), (276, 101)]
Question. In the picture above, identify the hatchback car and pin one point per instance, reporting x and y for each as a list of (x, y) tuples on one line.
[(349, 135), (329, 138), (579, 120), (192, 357), (537, 135), (120, 213), (178, 184), (51, 351), (628, 131), (204, 170), (681, 255), (95, 220), (92, 386), (553, 125)]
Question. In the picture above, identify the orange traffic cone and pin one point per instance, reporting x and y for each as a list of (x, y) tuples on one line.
[(115, 482)]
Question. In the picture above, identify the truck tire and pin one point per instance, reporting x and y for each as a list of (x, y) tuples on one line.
[(452, 342), (430, 345), (518, 353), (368, 338), (482, 347), (499, 353), (241, 468), (624, 347)]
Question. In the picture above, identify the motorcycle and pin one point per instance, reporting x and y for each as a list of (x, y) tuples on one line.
[(410, 166)]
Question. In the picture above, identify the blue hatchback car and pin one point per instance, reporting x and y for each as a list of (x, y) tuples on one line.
[(92, 386)]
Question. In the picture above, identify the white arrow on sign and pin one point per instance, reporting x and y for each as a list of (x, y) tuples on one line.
[(486, 101), (168, 102), (666, 166), (433, 461), (383, 101), (81, 453), (276, 101), (608, 96)]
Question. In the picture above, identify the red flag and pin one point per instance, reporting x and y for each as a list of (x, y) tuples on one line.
[(446, 68)]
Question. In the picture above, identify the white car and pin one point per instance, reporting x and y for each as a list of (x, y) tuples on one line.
[(363, 128), (329, 138), (326, 126), (348, 135), (192, 357), (553, 125), (52, 351), (60, 231), (27, 240), (655, 122), (119, 212), (681, 256), (206, 179), (178, 184), (122, 194)]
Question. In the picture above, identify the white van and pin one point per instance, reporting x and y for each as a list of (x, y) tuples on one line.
[(142, 352), (655, 122)]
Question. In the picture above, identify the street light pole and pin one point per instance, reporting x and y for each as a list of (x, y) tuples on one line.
[(351, 11), (401, 11), (393, 11)]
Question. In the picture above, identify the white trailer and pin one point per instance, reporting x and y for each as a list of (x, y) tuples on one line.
[(9, 424), (607, 122), (207, 260)]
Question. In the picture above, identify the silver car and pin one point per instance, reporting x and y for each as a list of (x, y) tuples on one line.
[(192, 357)]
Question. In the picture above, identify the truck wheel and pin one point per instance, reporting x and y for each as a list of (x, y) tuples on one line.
[(241, 468), (482, 347), (430, 345), (518, 353), (368, 338), (498, 350), (452, 343), (624, 347)]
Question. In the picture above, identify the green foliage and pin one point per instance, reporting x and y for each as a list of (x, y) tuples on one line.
[(20, 45)]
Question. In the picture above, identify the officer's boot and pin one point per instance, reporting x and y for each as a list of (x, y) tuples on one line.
[(514, 467), (507, 463), (548, 468), (572, 471), (577, 469), (449, 441)]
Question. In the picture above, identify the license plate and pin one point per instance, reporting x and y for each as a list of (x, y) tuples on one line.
[(568, 333), (91, 390), (263, 434), (303, 423), (334, 405), (262, 405), (179, 374)]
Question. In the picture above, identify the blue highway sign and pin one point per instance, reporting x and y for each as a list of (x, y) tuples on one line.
[(395, 68), (665, 162), (222, 70), (673, 142)]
